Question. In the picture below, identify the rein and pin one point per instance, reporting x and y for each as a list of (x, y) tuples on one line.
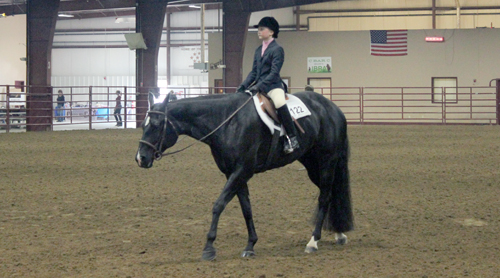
[(158, 154)]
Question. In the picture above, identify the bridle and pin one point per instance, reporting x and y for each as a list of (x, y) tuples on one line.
[(157, 149)]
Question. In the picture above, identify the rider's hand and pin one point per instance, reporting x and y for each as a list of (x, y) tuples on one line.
[(254, 90), (240, 89)]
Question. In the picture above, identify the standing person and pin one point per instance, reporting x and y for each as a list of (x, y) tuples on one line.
[(265, 77), (60, 106), (118, 108)]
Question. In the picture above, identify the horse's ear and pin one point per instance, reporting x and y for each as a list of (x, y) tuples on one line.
[(167, 98), (151, 100)]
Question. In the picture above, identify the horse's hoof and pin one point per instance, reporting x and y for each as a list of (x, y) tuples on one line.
[(310, 249), (341, 240), (247, 254), (208, 255)]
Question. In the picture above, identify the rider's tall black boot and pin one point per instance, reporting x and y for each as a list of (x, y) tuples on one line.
[(291, 142)]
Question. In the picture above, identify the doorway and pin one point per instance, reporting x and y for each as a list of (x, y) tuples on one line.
[(321, 85)]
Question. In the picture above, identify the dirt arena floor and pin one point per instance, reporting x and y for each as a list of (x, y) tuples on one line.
[(74, 204)]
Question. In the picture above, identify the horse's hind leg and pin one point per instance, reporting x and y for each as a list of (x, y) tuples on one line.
[(246, 208), (313, 170), (334, 204), (321, 212)]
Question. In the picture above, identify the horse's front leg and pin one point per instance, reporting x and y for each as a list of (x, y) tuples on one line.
[(246, 208), (232, 186)]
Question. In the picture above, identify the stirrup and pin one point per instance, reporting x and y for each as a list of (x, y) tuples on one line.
[(290, 145)]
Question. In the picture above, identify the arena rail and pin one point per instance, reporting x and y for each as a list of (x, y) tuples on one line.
[(92, 107)]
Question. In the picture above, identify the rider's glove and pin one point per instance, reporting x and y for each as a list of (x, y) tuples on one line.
[(254, 90), (241, 89)]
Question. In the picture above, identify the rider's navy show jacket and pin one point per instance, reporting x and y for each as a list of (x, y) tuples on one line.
[(266, 68)]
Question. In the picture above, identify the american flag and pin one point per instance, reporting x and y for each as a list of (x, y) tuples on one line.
[(389, 42)]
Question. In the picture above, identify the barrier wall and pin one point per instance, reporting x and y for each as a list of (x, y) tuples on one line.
[(92, 107)]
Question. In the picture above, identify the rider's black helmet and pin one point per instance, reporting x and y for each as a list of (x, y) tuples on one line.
[(270, 23)]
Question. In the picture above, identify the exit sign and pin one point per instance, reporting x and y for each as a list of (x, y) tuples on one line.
[(434, 39)]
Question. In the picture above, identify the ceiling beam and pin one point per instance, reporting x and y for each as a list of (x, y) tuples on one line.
[(84, 5)]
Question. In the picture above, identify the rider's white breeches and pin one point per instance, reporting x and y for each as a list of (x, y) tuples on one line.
[(278, 97)]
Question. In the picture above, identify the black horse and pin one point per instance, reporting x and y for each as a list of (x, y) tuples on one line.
[(240, 144)]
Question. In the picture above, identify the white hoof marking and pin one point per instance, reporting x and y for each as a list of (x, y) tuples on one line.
[(312, 246), (340, 238)]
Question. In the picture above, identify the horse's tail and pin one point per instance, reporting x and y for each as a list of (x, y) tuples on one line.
[(339, 216)]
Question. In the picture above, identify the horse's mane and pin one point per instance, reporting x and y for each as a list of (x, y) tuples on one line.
[(217, 105), (206, 98)]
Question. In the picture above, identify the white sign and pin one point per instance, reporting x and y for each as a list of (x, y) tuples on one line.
[(319, 64)]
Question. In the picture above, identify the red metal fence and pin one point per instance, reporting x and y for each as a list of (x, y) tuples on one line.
[(90, 107), (422, 105)]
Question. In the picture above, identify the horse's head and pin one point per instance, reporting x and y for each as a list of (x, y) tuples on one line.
[(158, 134)]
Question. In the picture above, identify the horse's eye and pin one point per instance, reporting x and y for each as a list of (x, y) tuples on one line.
[(146, 122)]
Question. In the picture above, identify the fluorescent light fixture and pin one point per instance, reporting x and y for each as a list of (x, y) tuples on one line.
[(125, 20), (135, 41), (65, 15), (434, 39), (194, 6)]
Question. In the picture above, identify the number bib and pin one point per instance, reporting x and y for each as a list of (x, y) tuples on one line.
[(297, 108)]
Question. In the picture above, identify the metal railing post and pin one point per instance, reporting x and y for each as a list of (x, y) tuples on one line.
[(498, 101), (90, 107), (71, 104), (361, 104), (7, 111), (125, 115), (402, 104), (443, 105)]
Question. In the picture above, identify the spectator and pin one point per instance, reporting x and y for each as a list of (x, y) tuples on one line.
[(60, 113), (118, 108)]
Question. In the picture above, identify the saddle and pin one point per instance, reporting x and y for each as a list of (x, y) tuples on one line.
[(267, 106)]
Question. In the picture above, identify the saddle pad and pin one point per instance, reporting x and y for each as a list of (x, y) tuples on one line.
[(297, 109)]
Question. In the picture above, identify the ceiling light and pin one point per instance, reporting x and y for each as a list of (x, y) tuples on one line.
[(125, 20), (194, 6), (65, 15)]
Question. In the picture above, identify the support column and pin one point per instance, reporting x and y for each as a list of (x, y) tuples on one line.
[(41, 17), (149, 21), (433, 14), (168, 49), (234, 38)]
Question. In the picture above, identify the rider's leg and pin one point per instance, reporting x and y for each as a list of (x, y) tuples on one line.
[(278, 97)]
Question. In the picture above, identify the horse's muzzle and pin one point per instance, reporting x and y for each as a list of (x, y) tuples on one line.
[(143, 161)]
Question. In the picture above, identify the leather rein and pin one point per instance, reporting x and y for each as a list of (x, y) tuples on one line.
[(157, 149)]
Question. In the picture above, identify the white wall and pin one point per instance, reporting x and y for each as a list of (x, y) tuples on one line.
[(467, 54), (12, 48)]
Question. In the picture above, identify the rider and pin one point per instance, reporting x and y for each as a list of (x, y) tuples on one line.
[(265, 77)]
